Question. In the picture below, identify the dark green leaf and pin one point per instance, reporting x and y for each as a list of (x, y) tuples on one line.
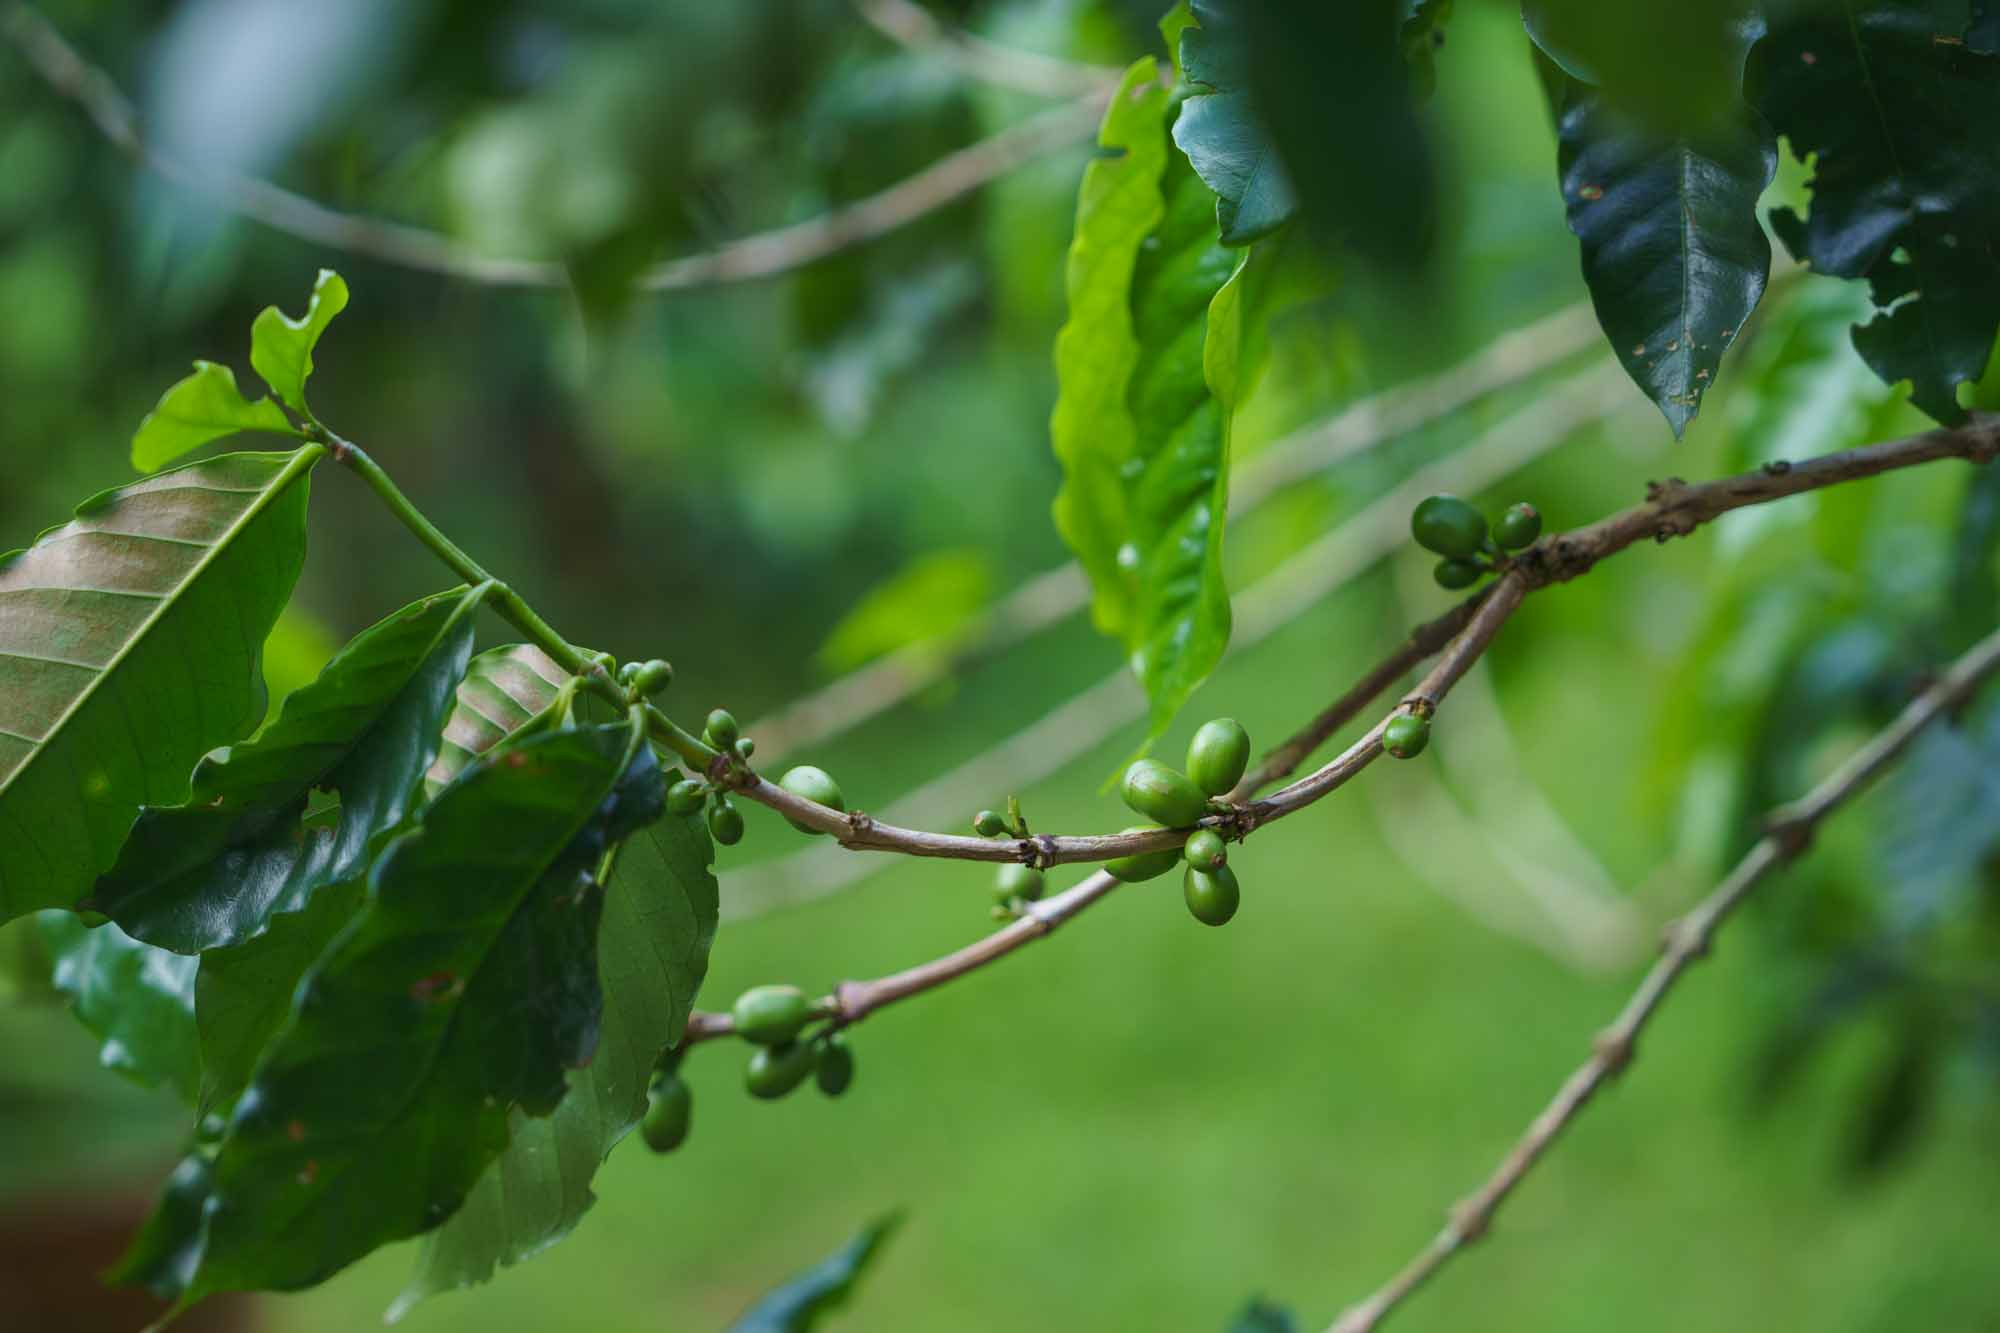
[(659, 920), (129, 646), (214, 870), (138, 999), (1900, 114), (281, 348), (1670, 66), (1310, 103), (1982, 33), (1220, 131), (205, 406), (242, 994), (467, 984), (1186, 311), (1261, 1316), (1117, 208), (1975, 562), (1673, 254), (503, 691), (797, 1306)]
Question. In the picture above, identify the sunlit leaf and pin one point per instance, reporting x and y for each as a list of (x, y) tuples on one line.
[(214, 870), (1117, 208), (503, 690), (1906, 189), (932, 599), (659, 920), (139, 1000), (205, 406), (467, 984), (281, 347), (1673, 253), (798, 1306), (129, 644)]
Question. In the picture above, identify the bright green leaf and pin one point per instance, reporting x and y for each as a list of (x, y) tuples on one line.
[(205, 406), (1667, 66), (281, 347), (139, 1000), (1673, 254), (1187, 314), (1117, 208), (1906, 193), (129, 646), (931, 600), (659, 921), (504, 690), (214, 870), (798, 1306), (467, 984)]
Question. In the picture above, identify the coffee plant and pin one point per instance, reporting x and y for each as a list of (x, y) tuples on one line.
[(438, 924)]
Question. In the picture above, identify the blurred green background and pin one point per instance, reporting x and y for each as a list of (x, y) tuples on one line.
[(1139, 1123)]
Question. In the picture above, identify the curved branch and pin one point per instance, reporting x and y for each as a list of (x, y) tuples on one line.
[(912, 26), (763, 255), (1789, 831)]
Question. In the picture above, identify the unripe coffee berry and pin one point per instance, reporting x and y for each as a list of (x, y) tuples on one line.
[(1212, 895), (1449, 526), (774, 1071), (725, 822), (686, 796), (1405, 735), (1204, 850), (1456, 574), (669, 1111), (815, 785), (1218, 754), (836, 1066), (1160, 793), (989, 824), (1014, 880), (1141, 866), (771, 1015), (1518, 527), (721, 732)]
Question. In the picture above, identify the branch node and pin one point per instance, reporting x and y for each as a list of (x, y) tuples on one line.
[(1039, 852), (1613, 1049), (1682, 938), (1777, 467), (1419, 705), (1793, 833), (1469, 1221)]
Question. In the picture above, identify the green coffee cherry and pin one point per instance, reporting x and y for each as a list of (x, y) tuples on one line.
[(989, 823), (1014, 880), (1160, 793), (744, 747), (648, 678), (725, 822), (1141, 866), (1218, 754), (1518, 527), (686, 796), (669, 1111), (1449, 526), (721, 731), (815, 785), (836, 1066), (774, 1071), (1405, 735), (1456, 574), (1204, 850), (771, 1015), (1212, 895)]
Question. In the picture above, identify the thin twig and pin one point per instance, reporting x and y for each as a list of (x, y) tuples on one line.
[(1308, 576), (1673, 508), (764, 255), (1789, 831), (1059, 593), (912, 26)]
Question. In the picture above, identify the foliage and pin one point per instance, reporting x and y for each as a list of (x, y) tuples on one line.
[(798, 1306)]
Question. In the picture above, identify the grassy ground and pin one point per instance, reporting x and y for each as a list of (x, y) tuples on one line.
[(1140, 1123)]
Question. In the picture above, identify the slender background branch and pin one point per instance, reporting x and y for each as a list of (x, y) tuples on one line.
[(912, 26), (1789, 832)]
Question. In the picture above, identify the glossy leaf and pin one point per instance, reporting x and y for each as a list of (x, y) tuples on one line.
[(137, 999), (281, 347), (214, 870), (243, 994), (659, 920), (1220, 132), (1673, 253), (798, 1306), (1118, 207), (467, 984), (205, 406), (129, 646), (1186, 312), (1900, 112), (503, 691)]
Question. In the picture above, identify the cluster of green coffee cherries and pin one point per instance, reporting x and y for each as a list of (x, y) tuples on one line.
[(1455, 530), (725, 821), (774, 1019)]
